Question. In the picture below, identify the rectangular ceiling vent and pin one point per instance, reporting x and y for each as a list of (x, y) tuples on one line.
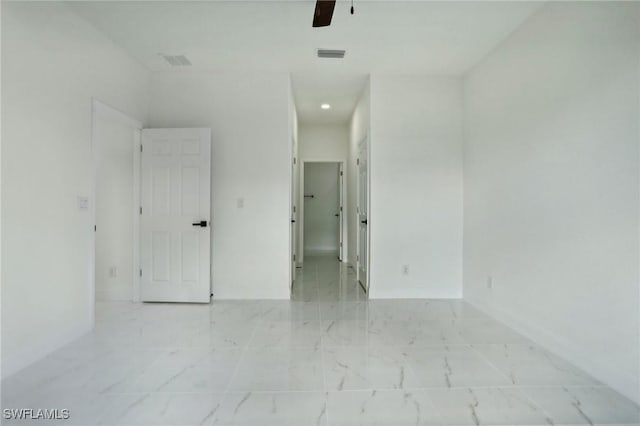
[(177, 60), (331, 53)]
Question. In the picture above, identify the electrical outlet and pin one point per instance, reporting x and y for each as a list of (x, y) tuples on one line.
[(490, 282), (405, 270), (113, 272)]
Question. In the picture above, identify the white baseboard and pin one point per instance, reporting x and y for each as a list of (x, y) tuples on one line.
[(621, 381), (13, 363)]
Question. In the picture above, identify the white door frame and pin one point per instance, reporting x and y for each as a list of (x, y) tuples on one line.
[(365, 141), (294, 209), (99, 108), (341, 164)]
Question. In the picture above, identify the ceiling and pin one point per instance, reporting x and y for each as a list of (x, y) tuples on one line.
[(393, 37)]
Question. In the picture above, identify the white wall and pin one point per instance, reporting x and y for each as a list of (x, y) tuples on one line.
[(416, 187), (358, 130), (324, 142), (321, 227), (551, 185), (113, 147), (251, 149), (53, 63)]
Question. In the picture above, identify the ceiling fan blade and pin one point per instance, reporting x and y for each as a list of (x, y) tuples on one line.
[(323, 13)]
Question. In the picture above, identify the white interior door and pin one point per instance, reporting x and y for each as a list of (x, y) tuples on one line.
[(175, 215), (340, 209), (363, 217), (294, 214)]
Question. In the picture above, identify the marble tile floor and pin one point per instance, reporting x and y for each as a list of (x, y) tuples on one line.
[(328, 357)]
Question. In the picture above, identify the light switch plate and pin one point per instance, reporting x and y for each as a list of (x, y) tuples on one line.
[(83, 203)]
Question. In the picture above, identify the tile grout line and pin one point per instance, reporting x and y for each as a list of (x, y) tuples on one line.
[(227, 390), (322, 358)]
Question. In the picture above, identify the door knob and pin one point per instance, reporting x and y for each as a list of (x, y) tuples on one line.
[(364, 222), (202, 223)]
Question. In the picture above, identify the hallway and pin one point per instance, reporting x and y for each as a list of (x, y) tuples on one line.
[(325, 279), (328, 357)]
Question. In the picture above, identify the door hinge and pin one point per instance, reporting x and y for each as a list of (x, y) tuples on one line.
[(95, 228), (140, 272), (294, 209), (141, 148), (340, 208), (140, 210), (341, 173), (294, 160), (357, 258), (358, 162), (294, 257)]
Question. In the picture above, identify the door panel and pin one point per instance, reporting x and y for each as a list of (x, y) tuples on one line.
[(294, 214), (363, 216), (176, 185), (340, 209)]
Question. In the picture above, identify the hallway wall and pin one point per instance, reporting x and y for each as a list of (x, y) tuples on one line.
[(415, 215), (324, 142), (249, 117), (53, 64), (113, 152), (552, 185)]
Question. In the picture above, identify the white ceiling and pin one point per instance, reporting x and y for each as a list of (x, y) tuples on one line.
[(397, 37)]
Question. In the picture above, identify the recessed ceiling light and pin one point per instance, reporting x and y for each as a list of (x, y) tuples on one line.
[(325, 106)]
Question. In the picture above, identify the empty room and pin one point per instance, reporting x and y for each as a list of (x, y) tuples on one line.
[(320, 213)]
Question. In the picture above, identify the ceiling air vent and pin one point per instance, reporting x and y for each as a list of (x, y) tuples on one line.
[(331, 53), (176, 60)]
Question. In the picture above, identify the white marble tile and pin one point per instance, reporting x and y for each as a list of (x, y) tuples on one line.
[(273, 409), (344, 310), (271, 362), (422, 309), (381, 408), (279, 369), (344, 332), (452, 366), (366, 367), (226, 335), (585, 405), (171, 409), (100, 375), (286, 334), (294, 311), (485, 330), (225, 312), (528, 364), (412, 333), (486, 406), (203, 370)]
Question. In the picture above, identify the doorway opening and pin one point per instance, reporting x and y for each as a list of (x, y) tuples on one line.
[(326, 275), (115, 195), (322, 209)]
